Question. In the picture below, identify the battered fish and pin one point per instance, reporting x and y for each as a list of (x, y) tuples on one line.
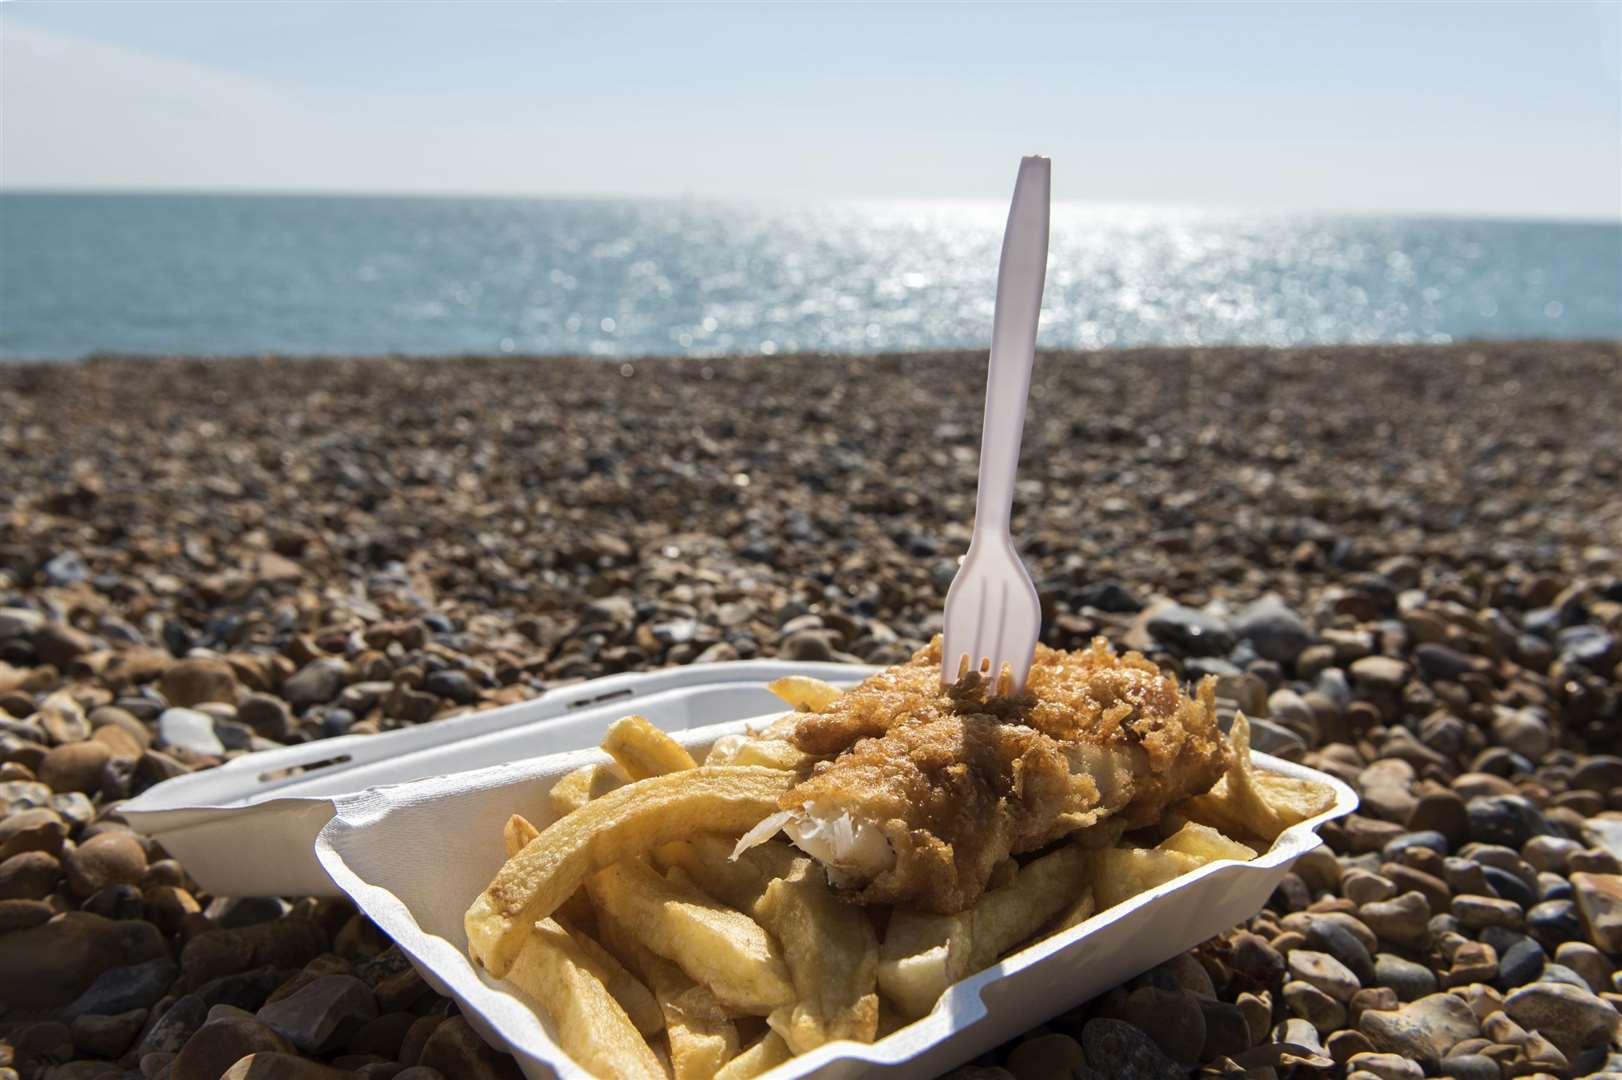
[(925, 789)]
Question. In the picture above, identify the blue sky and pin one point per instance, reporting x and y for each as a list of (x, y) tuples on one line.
[(1458, 108)]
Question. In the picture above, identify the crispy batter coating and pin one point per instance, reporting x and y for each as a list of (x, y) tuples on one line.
[(959, 779)]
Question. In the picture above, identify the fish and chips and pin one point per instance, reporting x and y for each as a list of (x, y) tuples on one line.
[(830, 877)]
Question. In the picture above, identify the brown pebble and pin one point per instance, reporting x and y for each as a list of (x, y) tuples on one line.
[(1045, 1056), (416, 1037), (107, 1036), (192, 682), (75, 766), (38, 829), (29, 875), (1343, 1044), (112, 858)]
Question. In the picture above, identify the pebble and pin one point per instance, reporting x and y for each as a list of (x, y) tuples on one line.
[(1521, 963), (1232, 1029), (1411, 981), (1511, 887), (1273, 630), (1386, 1066), (1324, 972), (1130, 1053), (1314, 1005), (1423, 1030), (267, 715), (1595, 968), (31, 830), (49, 965), (317, 683), (1599, 900), (1172, 1018), (1378, 675), (29, 875), (1478, 912), (1570, 1017), (220, 1043), (1554, 921), (192, 682), (1366, 887), (1510, 820), (107, 1036), (1442, 813), (1046, 1056), (1332, 937), (112, 858), (188, 730), (125, 989), (1401, 920), (323, 1014), (1188, 631), (1470, 1067), (174, 1026)]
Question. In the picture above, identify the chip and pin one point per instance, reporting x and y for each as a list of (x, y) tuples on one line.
[(587, 1020), (642, 750), (623, 824), (575, 789), (1250, 801), (715, 945), (768, 1053), (923, 954), (701, 1036), (1205, 844), (802, 693)]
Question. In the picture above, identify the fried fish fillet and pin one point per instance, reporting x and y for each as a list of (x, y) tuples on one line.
[(924, 789)]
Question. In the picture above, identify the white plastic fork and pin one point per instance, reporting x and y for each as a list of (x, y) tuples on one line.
[(993, 616)]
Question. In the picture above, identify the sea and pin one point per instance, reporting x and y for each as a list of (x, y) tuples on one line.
[(617, 278)]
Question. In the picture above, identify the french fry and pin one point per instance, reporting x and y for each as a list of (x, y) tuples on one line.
[(739, 882), (923, 954), (590, 1024), (1247, 800), (1205, 844), (1122, 873), (832, 955), (642, 750), (701, 1035), (517, 833), (1077, 913), (724, 751), (772, 753), (636, 999), (829, 945), (802, 693), (770, 1052), (723, 949), (575, 789), (623, 824)]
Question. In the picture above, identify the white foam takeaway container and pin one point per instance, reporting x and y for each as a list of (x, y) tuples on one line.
[(414, 856)]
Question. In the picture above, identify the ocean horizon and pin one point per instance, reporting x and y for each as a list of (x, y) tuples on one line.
[(291, 274)]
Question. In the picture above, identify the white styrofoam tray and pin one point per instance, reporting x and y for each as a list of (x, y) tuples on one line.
[(248, 828), (414, 856)]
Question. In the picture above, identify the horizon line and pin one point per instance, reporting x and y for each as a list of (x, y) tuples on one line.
[(1504, 216)]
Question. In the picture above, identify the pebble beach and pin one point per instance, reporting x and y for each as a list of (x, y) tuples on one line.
[(1402, 563)]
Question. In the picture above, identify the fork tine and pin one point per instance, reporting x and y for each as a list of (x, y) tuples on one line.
[(997, 653)]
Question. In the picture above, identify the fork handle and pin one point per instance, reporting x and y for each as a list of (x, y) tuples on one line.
[(1013, 345)]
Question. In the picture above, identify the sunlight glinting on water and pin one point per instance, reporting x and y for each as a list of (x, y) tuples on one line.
[(619, 278)]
